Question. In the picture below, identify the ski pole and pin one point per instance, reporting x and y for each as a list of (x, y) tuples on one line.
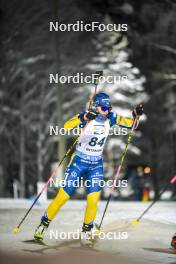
[(17, 228), (118, 171), (172, 181)]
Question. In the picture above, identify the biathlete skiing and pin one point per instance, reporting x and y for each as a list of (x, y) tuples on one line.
[(87, 160)]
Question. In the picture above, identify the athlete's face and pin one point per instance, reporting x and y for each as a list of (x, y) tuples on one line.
[(102, 111)]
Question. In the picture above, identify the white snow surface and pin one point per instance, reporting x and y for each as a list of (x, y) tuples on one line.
[(163, 212), (154, 231)]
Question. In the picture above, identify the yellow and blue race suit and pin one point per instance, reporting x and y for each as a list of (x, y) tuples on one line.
[(87, 160)]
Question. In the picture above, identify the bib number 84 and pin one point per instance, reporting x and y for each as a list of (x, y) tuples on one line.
[(94, 141)]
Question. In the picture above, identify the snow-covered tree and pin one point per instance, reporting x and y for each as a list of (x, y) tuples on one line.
[(128, 88)]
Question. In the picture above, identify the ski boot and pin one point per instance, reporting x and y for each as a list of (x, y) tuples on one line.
[(38, 235), (173, 242), (86, 237)]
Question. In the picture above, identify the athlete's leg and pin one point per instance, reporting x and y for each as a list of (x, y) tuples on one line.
[(91, 208), (61, 198), (65, 192), (73, 172), (94, 176)]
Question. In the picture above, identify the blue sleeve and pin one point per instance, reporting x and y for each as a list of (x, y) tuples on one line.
[(83, 122), (112, 118)]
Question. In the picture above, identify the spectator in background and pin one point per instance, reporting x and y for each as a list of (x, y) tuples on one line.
[(136, 178)]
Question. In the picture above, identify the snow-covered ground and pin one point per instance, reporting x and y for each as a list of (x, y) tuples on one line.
[(154, 231)]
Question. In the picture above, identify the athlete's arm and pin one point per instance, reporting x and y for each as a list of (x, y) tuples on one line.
[(79, 119), (73, 122), (124, 121)]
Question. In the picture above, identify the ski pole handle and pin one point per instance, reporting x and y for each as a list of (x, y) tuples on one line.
[(98, 74)]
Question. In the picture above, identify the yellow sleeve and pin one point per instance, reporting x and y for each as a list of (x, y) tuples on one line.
[(73, 122), (126, 122)]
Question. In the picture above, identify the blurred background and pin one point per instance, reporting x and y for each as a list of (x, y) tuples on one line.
[(29, 104)]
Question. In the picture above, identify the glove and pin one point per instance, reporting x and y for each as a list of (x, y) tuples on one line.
[(138, 111), (90, 115)]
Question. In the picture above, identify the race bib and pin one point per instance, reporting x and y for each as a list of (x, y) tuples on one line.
[(93, 138)]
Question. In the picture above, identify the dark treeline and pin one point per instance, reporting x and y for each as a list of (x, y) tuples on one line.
[(30, 104)]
